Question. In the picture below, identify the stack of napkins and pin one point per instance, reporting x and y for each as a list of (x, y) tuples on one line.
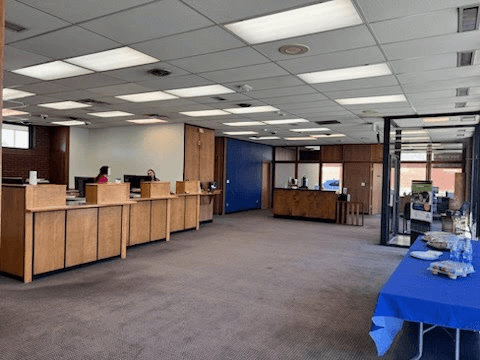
[(426, 255)]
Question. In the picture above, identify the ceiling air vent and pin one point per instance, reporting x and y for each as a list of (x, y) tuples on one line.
[(467, 118), (463, 91), (465, 58), (467, 18), (219, 98), (157, 116), (460, 105), (327, 122), (92, 102), (159, 72), (244, 105), (14, 27)]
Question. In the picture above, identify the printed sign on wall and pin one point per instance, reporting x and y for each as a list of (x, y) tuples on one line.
[(421, 205)]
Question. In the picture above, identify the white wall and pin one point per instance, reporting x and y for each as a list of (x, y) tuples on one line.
[(132, 150), (78, 161)]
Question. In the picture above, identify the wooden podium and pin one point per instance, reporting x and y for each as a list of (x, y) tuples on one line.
[(107, 193), (154, 189)]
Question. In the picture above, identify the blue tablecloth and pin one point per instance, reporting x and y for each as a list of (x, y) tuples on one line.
[(413, 293)]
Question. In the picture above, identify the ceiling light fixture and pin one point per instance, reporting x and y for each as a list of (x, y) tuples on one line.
[(293, 49), (69, 123), (310, 129), (284, 121), (147, 121), (110, 114), (436, 119), (11, 94), (244, 123), (112, 59), (306, 138), (148, 96), (240, 132), (251, 109), (204, 113), (311, 19), (13, 112), (357, 72), (264, 137), (327, 135), (52, 71), (64, 105), (372, 100), (200, 91)]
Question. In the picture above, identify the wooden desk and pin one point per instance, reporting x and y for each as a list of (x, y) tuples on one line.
[(313, 204), (206, 204), (185, 212)]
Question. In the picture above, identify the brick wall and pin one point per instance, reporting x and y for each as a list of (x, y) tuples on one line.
[(17, 162)]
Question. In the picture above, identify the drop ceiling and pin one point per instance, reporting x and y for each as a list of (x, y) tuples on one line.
[(418, 40)]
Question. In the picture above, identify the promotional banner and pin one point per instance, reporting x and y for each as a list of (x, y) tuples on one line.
[(421, 205)]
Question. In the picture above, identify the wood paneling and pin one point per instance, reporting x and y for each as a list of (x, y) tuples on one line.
[(152, 189), (285, 154), (266, 184), (188, 187), (125, 230), (59, 154), (377, 153), (48, 241), (139, 223), (357, 153), (350, 213), (305, 203), (206, 207), (177, 214), (81, 236), (159, 220), (109, 231), (199, 154), (12, 246), (219, 174), (107, 193), (41, 196), (376, 189), (2, 43), (28, 257), (331, 153), (207, 155), (354, 175), (191, 211), (459, 190)]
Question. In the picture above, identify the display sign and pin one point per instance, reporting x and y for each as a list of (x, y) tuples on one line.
[(421, 205)]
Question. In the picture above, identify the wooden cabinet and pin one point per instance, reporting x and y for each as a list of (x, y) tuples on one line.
[(140, 222), (109, 231), (199, 153), (305, 204), (49, 242), (185, 212), (159, 222), (81, 236)]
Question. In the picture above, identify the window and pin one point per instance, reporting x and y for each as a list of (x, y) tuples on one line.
[(282, 173), (15, 136), (311, 173), (332, 177)]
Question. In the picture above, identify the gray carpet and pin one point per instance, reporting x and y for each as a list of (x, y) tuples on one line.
[(247, 286)]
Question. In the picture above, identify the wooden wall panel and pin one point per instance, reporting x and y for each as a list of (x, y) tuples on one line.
[(2, 42), (284, 154), (207, 155), (376, 189), (59, 155), (331, 153), (192, 153), (219, 175), (206, 207), (177, 214), (377, 153), (266, 184), (48, 241), (81, 236), (139, 223), (190, 212), (357, 153), (159, 220), (109, 231), (354, 174)]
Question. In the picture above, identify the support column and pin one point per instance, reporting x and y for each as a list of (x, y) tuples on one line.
[(385, 181), (2, 45)]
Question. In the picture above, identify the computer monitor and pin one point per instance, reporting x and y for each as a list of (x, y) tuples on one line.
[(13, 180), (80, 182), (135, 180)]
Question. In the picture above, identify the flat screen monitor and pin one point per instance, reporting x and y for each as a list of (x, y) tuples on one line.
[(80, 182), (135, 180), (13, 180)]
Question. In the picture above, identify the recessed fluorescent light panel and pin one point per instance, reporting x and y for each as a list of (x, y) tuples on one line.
[(63, 105), (112, 59), (110, 114), (328, 136), (312, 19), (245, 123), (264, 138), (310, 129), (204, 113), (68, 123), (300, 138), (436, 119), (53, 70), (148, 96), (10, 94), (147, 121), (12, 112), (251, 109), (240, 132), (201, 91), (357, 72), (372, 100), (285, 121)]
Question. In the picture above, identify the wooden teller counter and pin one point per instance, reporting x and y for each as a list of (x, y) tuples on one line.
[(40, 233), (313, 204)]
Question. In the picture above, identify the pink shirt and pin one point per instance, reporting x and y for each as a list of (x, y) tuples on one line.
[(102, 180)]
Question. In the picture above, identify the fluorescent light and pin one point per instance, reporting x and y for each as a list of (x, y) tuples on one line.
[(264, 138), (112, 59), (205, 113), (52, 70), (251, 109), (148, 96), (328, 135), (201, 91), (436, 119), (313, 147), (424, 138), (306, 20), (12, 112), (410, 132), (372, 100), (147, 121), (63, 105), (358, 72), (240, 132), (300, 138), (10, 94), (284, 121), (69, 123), (310, 129), (110, 113), (245, 123)]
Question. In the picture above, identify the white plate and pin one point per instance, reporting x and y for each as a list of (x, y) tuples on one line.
[(426, 255)]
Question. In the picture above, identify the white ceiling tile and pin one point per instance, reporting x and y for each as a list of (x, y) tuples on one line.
[(337, 60), (14, 80), (191, 43), (431, 94), (442, 74), (417, 26), (88, 81), (271, 83), (221, 60), (76, 11), (245, 73), (45, 88), (285, 91), (237, 97), (36, 22), (443, 84), (331, 41), (157, 19), (67, 42), (121, 89), (140, 73), (296, 99), (17, 58), (175, 82), (376, 91), (426, 63), (379, 81), (308, 104)]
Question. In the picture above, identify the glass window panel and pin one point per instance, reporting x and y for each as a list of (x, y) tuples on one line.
[(444, 179), (21, 139), (413, 156), (332, 176), (282, 173), (409, 172), (311, 172), (8, 138)]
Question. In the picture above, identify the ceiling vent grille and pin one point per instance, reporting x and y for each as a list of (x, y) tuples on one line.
[(467, 118), (467, 18), (465, 58), (159, 72), (14, 27), (219, 98), (157, 116), (92, 102), (327, 122), (460, 105), (244, 105), (463, 91)]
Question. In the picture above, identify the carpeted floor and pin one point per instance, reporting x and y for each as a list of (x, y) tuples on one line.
[(247, 286)]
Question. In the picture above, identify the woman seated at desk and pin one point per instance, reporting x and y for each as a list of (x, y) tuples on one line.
[(102, 176), (151, 173)]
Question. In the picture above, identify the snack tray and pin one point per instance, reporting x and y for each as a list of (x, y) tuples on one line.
[(436, 236), (426, 255), (451, 269)]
